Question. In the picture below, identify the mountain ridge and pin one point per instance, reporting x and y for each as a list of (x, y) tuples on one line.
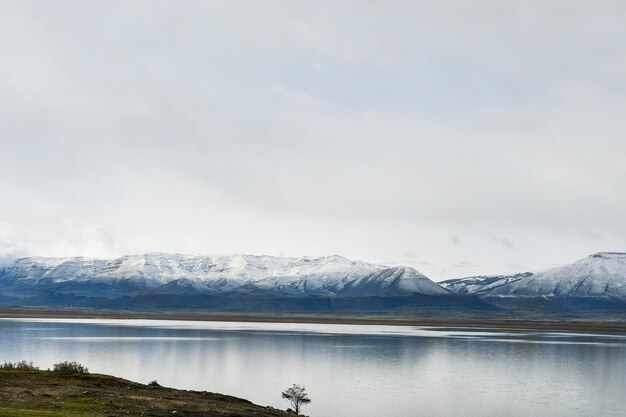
[(330, 275), (595, 275), (329, 284)]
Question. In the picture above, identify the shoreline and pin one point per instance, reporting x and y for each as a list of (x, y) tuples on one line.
[(579, 324)]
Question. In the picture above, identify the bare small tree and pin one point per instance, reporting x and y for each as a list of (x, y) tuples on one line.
[(297, 396)]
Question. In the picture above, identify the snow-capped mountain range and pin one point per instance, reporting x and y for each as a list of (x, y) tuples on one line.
[(602, 274), (330, 284), (480, 284), (180, 274)]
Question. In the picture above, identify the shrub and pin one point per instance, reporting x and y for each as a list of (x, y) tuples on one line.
[(297, 396), (154, 383), (19, 366), (70, 368)]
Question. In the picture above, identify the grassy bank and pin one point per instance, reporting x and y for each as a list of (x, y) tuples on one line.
[(35, 393)]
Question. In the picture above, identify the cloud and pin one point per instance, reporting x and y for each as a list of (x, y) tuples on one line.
[(409, 255), (330, 127), (590, 236), (464, 265), (10, 244), (89, 240), (504, 241)]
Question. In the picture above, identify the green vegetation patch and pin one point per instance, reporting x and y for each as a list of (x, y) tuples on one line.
[(71, 392), (14, 412)]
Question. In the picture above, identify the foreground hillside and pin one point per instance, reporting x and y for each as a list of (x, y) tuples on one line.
[(51, 394)]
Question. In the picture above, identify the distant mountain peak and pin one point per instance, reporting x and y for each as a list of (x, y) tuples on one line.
[(602, 274), (177, 274)]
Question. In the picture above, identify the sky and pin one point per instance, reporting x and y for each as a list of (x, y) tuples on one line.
[(457, 137)]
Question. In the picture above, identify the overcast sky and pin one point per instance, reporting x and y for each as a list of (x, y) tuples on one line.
[(461, 137)]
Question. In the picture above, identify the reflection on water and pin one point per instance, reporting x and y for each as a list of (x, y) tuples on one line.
[(349, 370)]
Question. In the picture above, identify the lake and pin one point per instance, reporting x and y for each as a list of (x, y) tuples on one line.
[(348, 370)]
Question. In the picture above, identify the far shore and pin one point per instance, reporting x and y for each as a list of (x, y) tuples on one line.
[(579, 324)]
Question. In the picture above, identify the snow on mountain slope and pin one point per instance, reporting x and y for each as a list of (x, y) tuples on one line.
[(393, 281), (480, 284), (601, 274), (383, 281), (176, 274)]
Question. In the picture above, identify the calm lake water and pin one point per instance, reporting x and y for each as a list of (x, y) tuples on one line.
[(349, 370)]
